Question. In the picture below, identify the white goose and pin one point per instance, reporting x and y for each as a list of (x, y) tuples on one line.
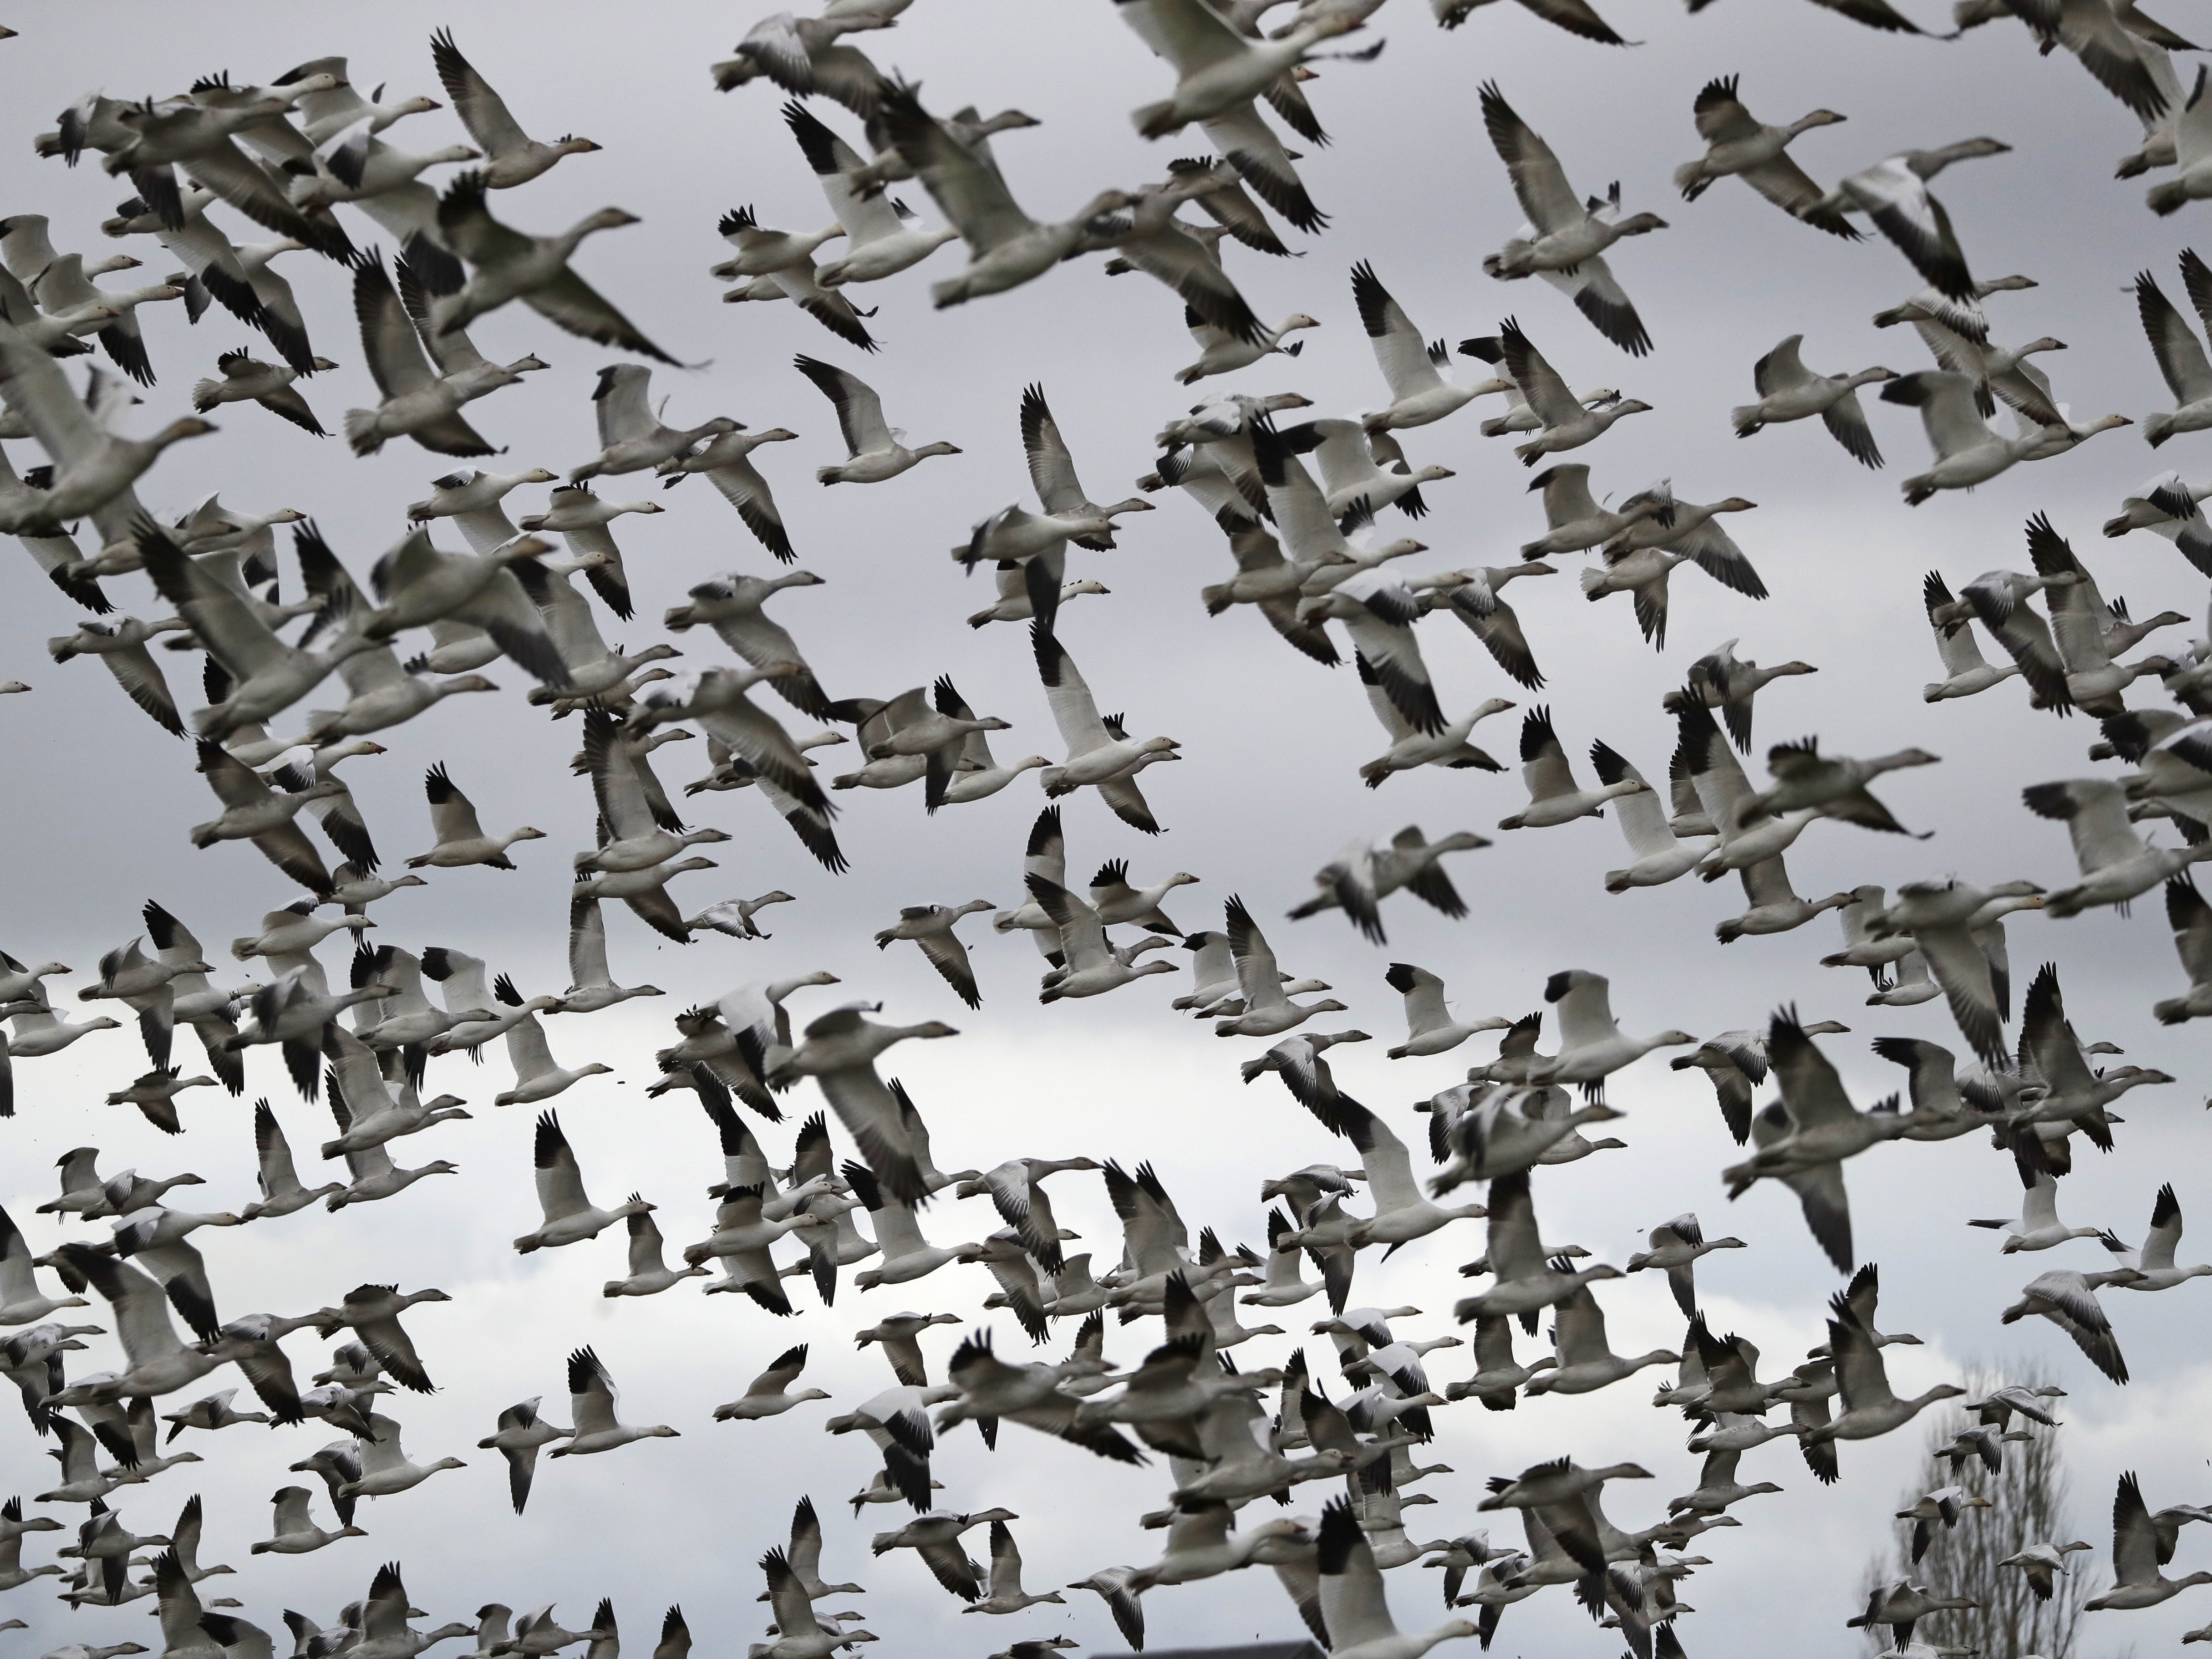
[(1553, 796), (1565, 239), (874, 451), (879, 241), (1005, 246), (1788, 391)]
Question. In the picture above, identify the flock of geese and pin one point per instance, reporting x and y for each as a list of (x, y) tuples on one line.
[(116, 1323)]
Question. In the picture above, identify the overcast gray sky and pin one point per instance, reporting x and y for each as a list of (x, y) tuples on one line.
[(1267, 792)]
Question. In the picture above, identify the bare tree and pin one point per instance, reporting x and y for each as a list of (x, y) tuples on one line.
[(2028, 1498)]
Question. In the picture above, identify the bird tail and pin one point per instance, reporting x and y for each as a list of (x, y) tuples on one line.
[(362, 432)]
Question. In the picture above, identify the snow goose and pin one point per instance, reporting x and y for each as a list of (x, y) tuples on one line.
[(1286, 1284), (1100, 752), (1091, 964), (839, 1052), (1472, 595), (1411, 747), (1419, 394), (1005, 1593), (625, 790), (1676, 1246), (281, 1192), (1577, 522), (252, 811), (1591, 1046), (1363, 472), (1788, 391), (1184, 257), (2190, 919), (511, 265), (581, 519), (1894, 194), (935, 1536), (1497, 1373), (977, 772), (1967, 451), (592, 986), (1946, 1505), (1689, 528), (423, 375), (1641, 574), (210, 1412), (2154, 1260), (2192, 149), (931, 926), (1368, 871), (1005, 246), (1967, 672), (20, 1301), (1802, 1139), (1052, 474), (648, 1275), (1910, 988), (1564, 421), (1739, 146), (521, 1433), (780, 265), (2051, 1055), (374, 1175), (385, 1468), (570, 1217), (735, 916), (155, 1361), (765, 1395), (879, 240), (419, 585), (2086, 633), (294, 1531), (2137, 1554), (1586, 1361), (1565, 240), (2039, 1562), (1217, 67), (1553, 798), (1869, 1408), (1221, 353), (806, 55), (1834, 785), (874, 451), (512, 157), (1402, 1214), (1660, 856), (1527, 1280), (1270, 583), (1560, 1501), (94, 466), (2116, 864), (2180, 354), (1429, 1027), (1201, 1543), (327, 113), (1378, 612), (246, 379), (593, 1402), (536, 1077), (461, 839), (2038, 1227), (632, 436), (1721, 680), (1267, 1011), (1735, 1062)]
